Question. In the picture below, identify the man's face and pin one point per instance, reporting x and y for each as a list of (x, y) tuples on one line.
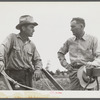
[(76, 28), (28, 30)]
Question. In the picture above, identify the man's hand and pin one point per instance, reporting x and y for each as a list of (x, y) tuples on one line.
[(66, 65), (37, 75), (1, 66), (69, 67)]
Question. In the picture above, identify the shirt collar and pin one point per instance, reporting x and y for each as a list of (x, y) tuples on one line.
[(83, 38), (18, 36)]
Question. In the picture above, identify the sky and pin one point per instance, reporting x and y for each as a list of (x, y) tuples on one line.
[(54, 24)]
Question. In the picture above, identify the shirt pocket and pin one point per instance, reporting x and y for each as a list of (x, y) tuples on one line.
[(16, 51), (30, 55), (88, 53)]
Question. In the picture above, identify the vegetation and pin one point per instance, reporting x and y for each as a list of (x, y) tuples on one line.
[(45, 84)]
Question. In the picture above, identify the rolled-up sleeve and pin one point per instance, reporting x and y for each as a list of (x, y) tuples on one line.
[(61, 54), (64, 49)]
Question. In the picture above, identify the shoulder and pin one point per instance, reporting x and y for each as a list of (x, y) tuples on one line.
[(91, 39), (89, 35), (70, 40), (32, 44), (12, 35)]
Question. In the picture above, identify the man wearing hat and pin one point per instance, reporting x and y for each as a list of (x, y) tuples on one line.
[(83, 50), (19, 56)]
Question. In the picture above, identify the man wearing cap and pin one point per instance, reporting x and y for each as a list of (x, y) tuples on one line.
[(19, 56), (83, 50)]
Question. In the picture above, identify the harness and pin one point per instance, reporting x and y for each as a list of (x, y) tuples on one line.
[(94, 73)]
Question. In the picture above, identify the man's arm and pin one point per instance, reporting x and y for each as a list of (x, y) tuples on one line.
[(4, 50), (61, 55), (37, 62), (62, 59), (96, 53)]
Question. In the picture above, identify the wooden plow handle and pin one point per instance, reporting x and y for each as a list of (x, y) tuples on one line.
[(52, 80)]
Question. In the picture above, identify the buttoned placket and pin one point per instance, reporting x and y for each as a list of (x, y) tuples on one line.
[(78, 50), (23, 52)]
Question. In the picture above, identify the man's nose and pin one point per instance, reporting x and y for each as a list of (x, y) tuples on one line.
[(72, 29), (33, 30)]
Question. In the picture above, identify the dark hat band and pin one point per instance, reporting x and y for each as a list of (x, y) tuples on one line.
[(25, 23)]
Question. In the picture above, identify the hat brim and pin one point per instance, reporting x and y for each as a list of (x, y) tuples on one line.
[(82, 82), (19, 25)]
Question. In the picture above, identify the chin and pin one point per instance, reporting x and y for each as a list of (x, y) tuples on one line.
[(74, 34), (30, 35)]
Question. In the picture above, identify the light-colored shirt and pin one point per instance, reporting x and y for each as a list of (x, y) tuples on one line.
[(81, 51), (19, 55)]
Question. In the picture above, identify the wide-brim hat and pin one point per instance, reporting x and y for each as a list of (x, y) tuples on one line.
[(26, 19), (82, 76)]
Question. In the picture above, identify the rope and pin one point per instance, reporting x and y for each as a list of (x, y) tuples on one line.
[(15, 82), (87, 83)]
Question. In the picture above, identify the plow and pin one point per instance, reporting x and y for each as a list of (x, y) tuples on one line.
[(5, 84), (5, 80)]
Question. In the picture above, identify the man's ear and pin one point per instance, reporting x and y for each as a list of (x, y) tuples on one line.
[(23, 28), (82, 26)]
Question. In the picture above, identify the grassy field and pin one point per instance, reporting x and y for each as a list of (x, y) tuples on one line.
[(42, 84), (45, 84)]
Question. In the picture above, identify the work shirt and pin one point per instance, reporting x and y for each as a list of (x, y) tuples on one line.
[(81, 50), (19, 55)]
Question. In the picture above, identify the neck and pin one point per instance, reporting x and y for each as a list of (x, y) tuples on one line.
[(80, 35), (23, 36)]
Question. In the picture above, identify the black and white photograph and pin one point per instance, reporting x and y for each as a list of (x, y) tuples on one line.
[(49, 49)]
